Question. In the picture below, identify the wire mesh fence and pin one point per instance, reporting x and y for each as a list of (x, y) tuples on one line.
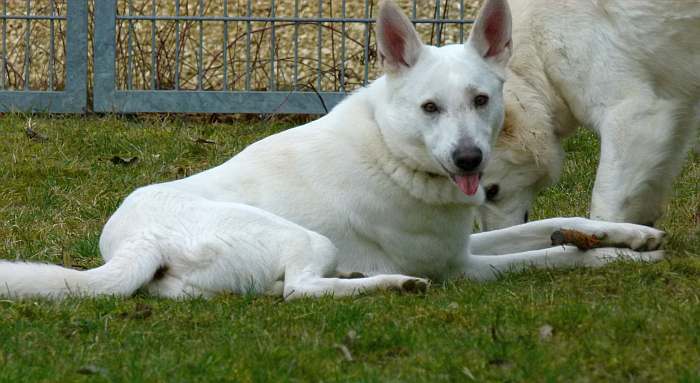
[(33, 49), (264, 45)]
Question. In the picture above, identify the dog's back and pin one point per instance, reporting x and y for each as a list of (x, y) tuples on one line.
[(657, 41)]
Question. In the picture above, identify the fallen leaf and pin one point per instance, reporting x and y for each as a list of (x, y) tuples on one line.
[(33, 134), (181, 172), (91, 369), (125, 161), (345, 351), (468, 373), (546, 332), (141, 311), (204, 141), (502, 363)]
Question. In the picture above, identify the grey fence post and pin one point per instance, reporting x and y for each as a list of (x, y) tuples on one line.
[(75, 98), (104, 56)]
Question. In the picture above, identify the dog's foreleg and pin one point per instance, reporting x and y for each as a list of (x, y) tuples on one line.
[(644, 141), (537, 235), (479, 267)]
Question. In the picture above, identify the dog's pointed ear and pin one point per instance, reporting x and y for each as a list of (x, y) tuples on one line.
[(397, 41), (491, 34)]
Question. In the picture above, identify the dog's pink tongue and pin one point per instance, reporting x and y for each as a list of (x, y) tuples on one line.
[(468, 184)]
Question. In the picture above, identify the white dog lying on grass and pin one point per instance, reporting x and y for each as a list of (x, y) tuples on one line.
[(386, 185), (628, 70)]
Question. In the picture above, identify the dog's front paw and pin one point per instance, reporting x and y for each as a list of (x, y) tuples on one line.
[(636, 237), (613, 234)]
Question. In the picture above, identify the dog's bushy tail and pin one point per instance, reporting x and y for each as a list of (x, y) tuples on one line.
[(120, 276)]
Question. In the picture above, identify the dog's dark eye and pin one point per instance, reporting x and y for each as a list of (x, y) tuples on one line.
[(430, 107), (492, 192), (481, 100)]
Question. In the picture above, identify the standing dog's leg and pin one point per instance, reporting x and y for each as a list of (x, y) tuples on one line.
[(644, 141), (537, 235)]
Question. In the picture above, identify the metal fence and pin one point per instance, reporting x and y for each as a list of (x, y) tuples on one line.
[(221, 56), (64, 95)]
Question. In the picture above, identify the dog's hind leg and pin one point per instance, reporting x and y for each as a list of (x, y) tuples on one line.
[(310, 285), (644, 141), (231, 247), (311, 263)]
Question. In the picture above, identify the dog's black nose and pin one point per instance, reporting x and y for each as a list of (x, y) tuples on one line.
[(467, 158)]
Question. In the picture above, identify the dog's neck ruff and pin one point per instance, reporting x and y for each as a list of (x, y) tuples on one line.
[(430, 188)]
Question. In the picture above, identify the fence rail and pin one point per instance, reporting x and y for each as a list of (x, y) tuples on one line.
[(214, 56)]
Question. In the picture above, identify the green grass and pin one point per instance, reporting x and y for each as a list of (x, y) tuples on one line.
[(625, 322)]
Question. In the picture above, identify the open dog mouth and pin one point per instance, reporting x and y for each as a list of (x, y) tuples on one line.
[(468, 183)]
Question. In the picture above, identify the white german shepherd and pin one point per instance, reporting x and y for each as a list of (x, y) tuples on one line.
[(385, 185), (627, 69)]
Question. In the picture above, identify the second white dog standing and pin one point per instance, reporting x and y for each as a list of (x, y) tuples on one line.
[(386, 184), (628, 70)]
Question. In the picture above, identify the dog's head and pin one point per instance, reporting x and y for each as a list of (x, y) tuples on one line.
[(443, 107), (526, 158)]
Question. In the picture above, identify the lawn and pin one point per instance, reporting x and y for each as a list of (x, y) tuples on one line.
[(625, 322)]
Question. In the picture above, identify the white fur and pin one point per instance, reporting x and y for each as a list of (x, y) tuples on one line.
[(629, 71), (364, 189)]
